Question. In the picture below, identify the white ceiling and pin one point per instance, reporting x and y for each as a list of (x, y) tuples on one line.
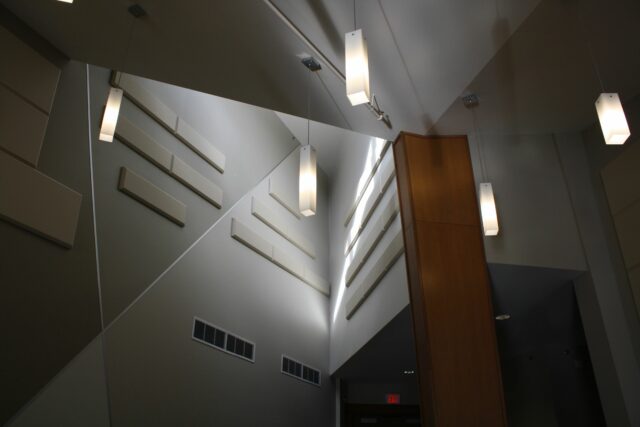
[(422, 53)]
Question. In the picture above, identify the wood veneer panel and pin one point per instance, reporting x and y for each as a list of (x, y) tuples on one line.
[(458, 362)]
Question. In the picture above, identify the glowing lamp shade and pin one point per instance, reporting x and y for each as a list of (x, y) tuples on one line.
[(612, 119), (111, 112), (66, 1), (308, 181), (488, 210), (357, 67)]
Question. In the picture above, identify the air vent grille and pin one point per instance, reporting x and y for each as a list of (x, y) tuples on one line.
[(213, 336), (300, 371)]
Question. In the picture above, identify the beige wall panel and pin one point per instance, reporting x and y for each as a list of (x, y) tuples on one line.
[(367, 211), (146, 101), (373, 277), (288, 263), (151, 196), (37, 203), (141, 143), (621, 179), (200, 145), (628, 228), (279, 193), (250, 238), (278, 224), (316, 281), (27, 72), (196, 182), (22, 127)]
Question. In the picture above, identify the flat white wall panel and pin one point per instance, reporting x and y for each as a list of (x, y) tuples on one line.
[(384, 262), (146, 101), (317, 281), (200, 144), (37, 203), (245, 235), (196, 182), (287, 262), (22, 127), (279, 225), (140, 142), (151, 196), (25, 71)]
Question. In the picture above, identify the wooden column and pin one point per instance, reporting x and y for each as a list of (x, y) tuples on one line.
[(458, 362)]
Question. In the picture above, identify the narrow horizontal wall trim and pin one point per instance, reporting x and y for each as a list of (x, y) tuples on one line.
[(271, 219), (380, 268), (277, 256), (144, 145), (370, 208), (178, 126), (151, 196), (223, 347), (370, 242), (281, 198), (38, 203), (374, 169)]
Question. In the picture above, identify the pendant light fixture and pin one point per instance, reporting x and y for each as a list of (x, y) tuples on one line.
[(308, 178), (114, 100), (357, 65), (613, 121), (488, 208)]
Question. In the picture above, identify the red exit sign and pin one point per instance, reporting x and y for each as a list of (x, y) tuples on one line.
[(393, 398)]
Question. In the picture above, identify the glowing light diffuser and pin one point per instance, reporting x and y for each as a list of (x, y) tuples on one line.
[(308, 181), (488, 210), (66, 1), (111, 112), (612, 119), (357, 68)]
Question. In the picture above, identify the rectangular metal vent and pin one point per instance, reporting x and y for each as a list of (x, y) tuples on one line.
[(300, 371), (213, 336)]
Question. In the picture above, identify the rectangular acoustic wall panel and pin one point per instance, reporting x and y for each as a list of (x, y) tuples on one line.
[(300, 371), (22, 126), (151, 196), (278, 191), (216, 337), (384, 262), (143, 144), (383, 180), (200, 145), (26, 72), (278, 224), (38, 203), (372, 238), (277, 256), (146, 100), (359, 196), (196, 182)]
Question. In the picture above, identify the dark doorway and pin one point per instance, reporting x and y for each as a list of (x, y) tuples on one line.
[(382, 415)]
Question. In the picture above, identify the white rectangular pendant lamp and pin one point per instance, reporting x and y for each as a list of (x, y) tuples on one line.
[(308, 181), (111, 113), (488, 210), (613, 121), (357, 68)]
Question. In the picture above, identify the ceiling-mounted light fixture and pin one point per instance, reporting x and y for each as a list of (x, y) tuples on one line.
[(488, 208), (307, 185), (66, 1), (110, 117), (357, 68), (114, 100), (613, 121)]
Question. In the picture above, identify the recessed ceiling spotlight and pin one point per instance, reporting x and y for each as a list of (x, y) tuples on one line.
[(503, 316)]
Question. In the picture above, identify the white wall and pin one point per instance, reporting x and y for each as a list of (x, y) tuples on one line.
[(358, 153)]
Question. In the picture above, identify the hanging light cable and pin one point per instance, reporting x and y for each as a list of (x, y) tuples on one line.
[(307, 185), (114, 100), (613, 121), (488, 208)]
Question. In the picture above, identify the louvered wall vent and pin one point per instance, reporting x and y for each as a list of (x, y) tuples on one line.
[(300, 371), (213, 336)]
